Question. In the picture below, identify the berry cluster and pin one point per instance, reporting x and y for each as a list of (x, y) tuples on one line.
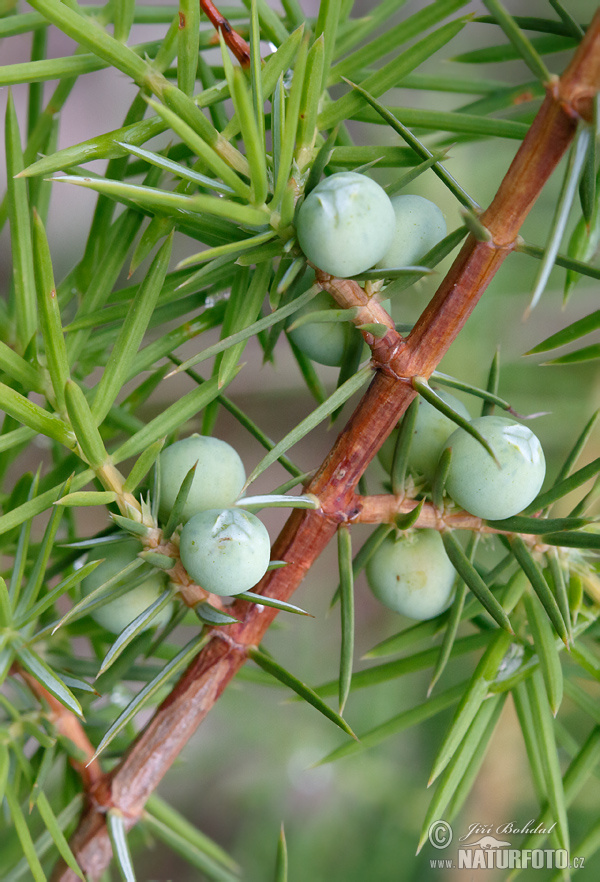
[(346, 225), (224, 549), (411, 573)]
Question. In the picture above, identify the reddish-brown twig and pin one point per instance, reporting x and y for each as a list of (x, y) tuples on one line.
[(237, 44), (66, 723)]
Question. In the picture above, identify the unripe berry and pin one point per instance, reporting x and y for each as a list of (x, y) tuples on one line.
[(412, 574), (346, 224), (484, 488), (431, 431), (115, 615), (323, 342), (225, 551), (218, 479), (419, 225)]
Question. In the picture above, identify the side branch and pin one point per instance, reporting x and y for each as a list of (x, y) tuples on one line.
[(384, 508), (306, 533)]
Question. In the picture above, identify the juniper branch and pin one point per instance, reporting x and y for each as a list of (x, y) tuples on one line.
[(395, 360)]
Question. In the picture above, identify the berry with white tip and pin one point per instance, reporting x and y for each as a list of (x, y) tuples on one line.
[(225, 551), (346, 224), (490, 489)]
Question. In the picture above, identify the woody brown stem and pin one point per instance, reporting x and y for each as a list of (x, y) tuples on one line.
[(384, 508), (66, 723), (237, 44), (306, 533)]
